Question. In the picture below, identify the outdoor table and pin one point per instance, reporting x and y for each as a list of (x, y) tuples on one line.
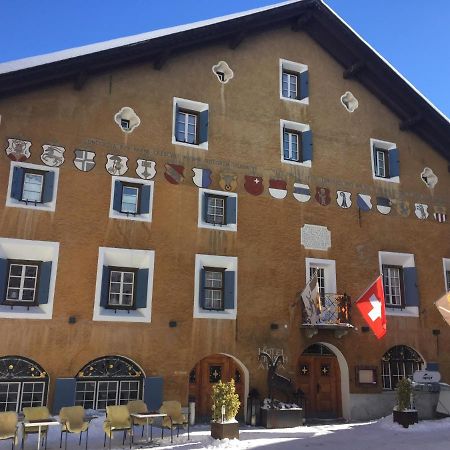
[(147, 415), (40, 423)]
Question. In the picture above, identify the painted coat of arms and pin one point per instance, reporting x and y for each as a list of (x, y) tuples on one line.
[(384, 205), (302, 193), (277, 188), (116, 165), (202, 177), (254, 185), (174, 173), (146, 169), (343, 199), (364, 202), (84, 160), (402, 207), (421, 211), (322, 196), (52, 155), (440, 214), (18, 150), (228, 181)]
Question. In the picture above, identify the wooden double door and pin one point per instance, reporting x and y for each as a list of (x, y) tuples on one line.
[(319, 378), (205, 375)]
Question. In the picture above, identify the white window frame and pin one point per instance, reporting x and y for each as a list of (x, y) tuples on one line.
[(127, 258), (136, 217), (18, 384), (41, 176), (14, 203), (121, 284), (34, 384), (191, 106), (22, 277), (300, 128), (109, 381), (221, 262), (329, 266), (446, 265), (382, 145), (403, 260), (202, 223), (291, 66), (23, 249)]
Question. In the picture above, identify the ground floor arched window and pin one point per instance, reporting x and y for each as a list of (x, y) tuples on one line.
[(110, 380), (397, 363), (22, 383)]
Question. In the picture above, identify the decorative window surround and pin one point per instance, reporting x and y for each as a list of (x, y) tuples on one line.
[(446, 264), (45, 205), (127, 258), (392, 164), (230, 215), (229, 263), (305, 148), (301, 70), (21, 249), (329, 266), (202, 109), (406, 261), (140, 217)]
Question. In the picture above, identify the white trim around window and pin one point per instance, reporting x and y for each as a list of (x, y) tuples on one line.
[(126, 258), (383, 145), (297, 68), (329, 266), (22, 249), (202, 223), (300, 128), (446, 264)]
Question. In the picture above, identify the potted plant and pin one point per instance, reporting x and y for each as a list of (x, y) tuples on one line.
[(403, 413), (225, 406)]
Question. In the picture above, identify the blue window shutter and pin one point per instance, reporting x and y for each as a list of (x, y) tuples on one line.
[(229, 289), (49, 181), (45, 271), (307, 146), (304, 85), (17, 183), (153, 392), (3, 278), (117, 199), (394, 163), (64, 394), (203, 126), (141, 288), (145, 192), (104, 295), (201, 288), (231, 210), (411, 291)]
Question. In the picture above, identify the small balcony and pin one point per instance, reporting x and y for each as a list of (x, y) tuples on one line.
[(333, 314)]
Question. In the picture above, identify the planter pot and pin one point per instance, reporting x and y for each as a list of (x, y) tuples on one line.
[(282, 418), (228, 430), (406, 418)]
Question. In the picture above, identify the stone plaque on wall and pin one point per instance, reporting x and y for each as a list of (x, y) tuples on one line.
[(315, 237)]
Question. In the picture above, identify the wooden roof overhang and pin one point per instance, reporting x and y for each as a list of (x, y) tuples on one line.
[(358, 60)]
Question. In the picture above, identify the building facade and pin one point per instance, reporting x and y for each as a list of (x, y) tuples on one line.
[(164, 200)]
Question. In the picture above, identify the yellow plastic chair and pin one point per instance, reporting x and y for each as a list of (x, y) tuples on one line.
[(117, 419), (139, 406), (35, 413), (175, 418), (8, 427), (72, 421)]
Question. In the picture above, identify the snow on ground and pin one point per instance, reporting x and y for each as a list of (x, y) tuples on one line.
[(376, 435)]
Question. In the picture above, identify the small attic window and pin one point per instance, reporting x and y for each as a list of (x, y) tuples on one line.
[(125, 124)]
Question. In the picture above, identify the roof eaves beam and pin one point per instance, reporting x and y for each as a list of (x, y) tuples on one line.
[(302, 21), (354, 69), (161, 59), (410, 122), (80, 80), (237, 39)]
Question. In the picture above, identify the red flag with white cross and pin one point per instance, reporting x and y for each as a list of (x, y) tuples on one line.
[(372, 307)]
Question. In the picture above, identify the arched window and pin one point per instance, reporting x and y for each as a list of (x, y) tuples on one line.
[(397, 363), (110, 380), (22, 383)]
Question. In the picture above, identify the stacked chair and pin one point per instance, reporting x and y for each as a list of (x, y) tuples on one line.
[(8, 427), (175, 418), (139, 406), (73, 421), (35, 413), (117, 419)]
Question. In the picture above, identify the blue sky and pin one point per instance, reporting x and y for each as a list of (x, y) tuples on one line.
[(414, 35)]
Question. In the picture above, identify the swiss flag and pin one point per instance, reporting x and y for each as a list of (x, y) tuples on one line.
[(371, 305)]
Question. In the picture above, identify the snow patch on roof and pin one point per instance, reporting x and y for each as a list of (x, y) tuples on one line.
[(25, 63)]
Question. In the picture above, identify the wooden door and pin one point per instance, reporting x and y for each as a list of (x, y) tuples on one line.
[(205, 375), (319, 378)]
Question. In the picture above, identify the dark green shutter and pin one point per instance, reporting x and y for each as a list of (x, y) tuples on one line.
[(17, 183), (104, 295), (394, 163), (45, 271), (205, 207), (153, 392), (203, 126), (117, 199), (49, 182), (411, 291), (304, 85), (3, 279), (229, 289), (64, 394), (145, 193), (231, 210), (307, 146), (141, 288), (201, 288)]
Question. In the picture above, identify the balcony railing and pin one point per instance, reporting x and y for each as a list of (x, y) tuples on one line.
[(334, 310)]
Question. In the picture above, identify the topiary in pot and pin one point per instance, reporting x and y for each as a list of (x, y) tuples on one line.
[(224, 394), (404, 390)]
